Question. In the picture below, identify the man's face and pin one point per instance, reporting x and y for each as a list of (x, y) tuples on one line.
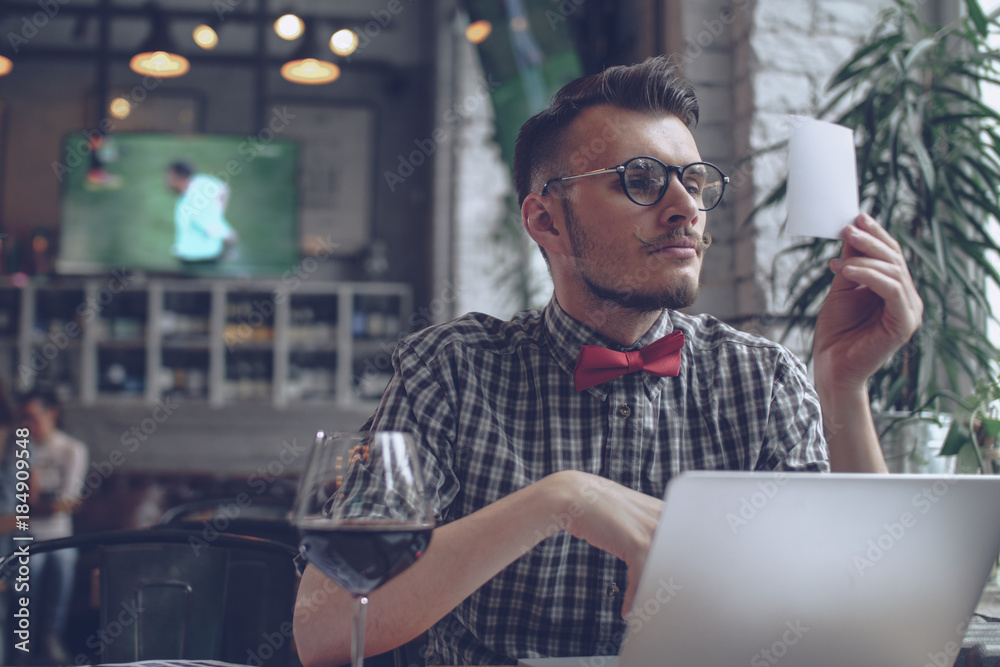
[(38, 419), (176, 182), (640, 257)]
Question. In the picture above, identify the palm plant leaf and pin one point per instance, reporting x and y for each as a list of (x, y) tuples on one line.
[(929, 169)]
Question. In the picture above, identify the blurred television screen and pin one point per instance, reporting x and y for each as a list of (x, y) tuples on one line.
[(199, 205)]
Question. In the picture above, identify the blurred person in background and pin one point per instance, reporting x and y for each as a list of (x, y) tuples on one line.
[(58, 468), (8, 500)]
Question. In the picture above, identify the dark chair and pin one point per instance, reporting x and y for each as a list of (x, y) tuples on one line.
[(181, 594), (234, 506), (264, 518)]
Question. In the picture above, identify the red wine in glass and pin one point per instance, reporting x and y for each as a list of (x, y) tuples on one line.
[(361, 557)]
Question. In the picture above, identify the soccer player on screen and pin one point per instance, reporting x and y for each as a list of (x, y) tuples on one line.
[(203, 234)]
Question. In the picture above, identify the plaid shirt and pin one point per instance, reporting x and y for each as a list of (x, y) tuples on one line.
[(493, 407)]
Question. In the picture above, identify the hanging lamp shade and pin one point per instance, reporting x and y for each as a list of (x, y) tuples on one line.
[(158, 55), (308, 65)]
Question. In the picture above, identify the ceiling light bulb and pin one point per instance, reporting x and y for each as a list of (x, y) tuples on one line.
[(5, 65), (205, 37), (344, 42), (289, 27), (478, 31), (120, 108)]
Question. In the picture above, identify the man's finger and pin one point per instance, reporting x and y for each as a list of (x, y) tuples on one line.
[(860, 242)]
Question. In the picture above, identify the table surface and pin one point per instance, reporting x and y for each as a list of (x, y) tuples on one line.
[(988, 607), (989, 603)]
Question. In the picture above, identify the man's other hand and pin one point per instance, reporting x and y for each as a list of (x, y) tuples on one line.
[(871, 311)]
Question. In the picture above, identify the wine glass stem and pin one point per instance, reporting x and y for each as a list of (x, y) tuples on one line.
[(358, 637)]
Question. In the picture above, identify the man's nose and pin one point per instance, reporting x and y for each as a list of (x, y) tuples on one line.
[(678, 207)]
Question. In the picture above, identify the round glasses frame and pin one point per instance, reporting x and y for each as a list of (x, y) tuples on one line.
[(621, 168)]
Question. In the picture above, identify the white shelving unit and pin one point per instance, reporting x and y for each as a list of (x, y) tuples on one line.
[(218, 342)]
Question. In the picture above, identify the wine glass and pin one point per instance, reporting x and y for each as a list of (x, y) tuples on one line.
[(362, 514)]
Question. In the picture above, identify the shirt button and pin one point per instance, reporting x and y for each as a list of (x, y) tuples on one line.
[(613, 590), (624, 411)]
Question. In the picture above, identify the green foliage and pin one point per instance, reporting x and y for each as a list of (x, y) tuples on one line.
[(977, 425), (929, 170)]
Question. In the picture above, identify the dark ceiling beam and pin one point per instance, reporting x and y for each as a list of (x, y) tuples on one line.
[(241, 60), (27, 8), (260, 62), (102, 75), (105, 12), (256, 58)]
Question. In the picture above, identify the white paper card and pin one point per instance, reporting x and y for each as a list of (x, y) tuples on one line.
[(822, 178)]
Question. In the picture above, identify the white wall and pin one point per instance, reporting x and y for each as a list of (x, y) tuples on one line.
[(796, 45), (482, 189)]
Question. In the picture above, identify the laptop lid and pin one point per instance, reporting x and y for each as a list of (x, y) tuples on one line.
[(814, 570)]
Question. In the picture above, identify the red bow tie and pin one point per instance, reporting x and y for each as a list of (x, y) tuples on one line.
[(599, 364)]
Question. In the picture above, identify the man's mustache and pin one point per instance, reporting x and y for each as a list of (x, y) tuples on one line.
[(701, 244)]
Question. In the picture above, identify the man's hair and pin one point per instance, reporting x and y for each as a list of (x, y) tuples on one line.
[(46, 397), (653, 86), (181, 168)]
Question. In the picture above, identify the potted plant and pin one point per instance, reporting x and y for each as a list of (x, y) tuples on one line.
[(929, 170), (973, 436)]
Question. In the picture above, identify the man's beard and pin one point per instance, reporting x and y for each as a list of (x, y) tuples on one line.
[(624, 292)]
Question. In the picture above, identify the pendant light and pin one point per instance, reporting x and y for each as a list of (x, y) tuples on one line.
[(158, 56), (308, 65)]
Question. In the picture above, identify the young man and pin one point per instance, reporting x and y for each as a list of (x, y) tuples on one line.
[(202, 233), (546, 474)]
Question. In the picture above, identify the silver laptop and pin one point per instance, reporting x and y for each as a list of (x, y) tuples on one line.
[(807, 570)]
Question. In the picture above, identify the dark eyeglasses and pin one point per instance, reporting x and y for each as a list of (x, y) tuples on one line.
[(645, 180)]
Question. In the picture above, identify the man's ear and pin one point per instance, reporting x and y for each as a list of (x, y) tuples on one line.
[(544, 221)]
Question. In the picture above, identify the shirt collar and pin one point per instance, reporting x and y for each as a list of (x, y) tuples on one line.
[(567, 335)]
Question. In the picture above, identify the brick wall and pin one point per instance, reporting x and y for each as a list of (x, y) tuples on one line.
[(792, 49), (754, 62), (714, 33)]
